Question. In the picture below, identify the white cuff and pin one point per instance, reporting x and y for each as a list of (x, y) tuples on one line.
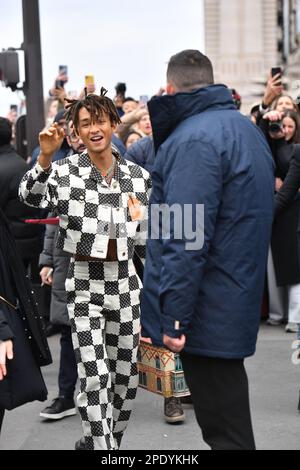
[(38, 169), (263, 110)]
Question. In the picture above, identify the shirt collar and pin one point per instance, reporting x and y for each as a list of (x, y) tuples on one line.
[(86, 168)]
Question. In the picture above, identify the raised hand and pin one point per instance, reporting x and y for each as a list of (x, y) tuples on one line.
[(274, 88), (50, 142)]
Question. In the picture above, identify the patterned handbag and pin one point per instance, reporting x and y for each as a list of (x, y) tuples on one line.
[(160, 371)]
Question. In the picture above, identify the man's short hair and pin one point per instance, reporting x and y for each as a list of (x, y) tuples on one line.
[(5, 131), (189, 70)]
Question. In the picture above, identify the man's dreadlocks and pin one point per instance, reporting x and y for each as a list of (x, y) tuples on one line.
[(96, 105)]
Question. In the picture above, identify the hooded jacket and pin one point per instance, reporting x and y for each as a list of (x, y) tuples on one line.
[(208, 154)]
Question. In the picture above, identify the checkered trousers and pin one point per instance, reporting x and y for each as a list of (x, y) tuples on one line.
[(104, 310)]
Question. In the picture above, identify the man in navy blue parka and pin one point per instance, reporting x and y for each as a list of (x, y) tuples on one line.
[(205, 301)]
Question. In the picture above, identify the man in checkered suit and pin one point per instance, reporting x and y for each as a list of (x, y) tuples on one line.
[(101, 201)]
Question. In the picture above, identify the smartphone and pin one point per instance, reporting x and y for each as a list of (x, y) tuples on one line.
[(144, 99), (14, 107), (89, 80), (63, 70), (276, 71)]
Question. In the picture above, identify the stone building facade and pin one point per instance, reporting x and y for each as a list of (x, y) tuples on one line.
[(245, 38)]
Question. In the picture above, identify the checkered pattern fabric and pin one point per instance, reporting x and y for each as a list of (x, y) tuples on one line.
[(91, 212), (104, 310)]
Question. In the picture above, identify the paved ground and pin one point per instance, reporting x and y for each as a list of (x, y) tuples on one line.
[(274, 388)]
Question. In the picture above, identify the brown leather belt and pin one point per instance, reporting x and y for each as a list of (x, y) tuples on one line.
[(87, 258), (112, 254)]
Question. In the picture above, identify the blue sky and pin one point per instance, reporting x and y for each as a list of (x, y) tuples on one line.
[(117, 41)]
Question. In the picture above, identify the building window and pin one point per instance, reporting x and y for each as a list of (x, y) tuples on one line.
[(139, 356), (144, 379), (179, 384), (158, 384), (178, 364), (157, 362)]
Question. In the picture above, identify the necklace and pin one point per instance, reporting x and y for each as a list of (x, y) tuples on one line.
[(106, 173), (110, 172)]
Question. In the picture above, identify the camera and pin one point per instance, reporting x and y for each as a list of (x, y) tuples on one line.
[(275, 127)]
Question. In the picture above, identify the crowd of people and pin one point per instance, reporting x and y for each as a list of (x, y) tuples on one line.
[(100, 168)]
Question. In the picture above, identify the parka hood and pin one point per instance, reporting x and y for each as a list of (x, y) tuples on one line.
[(166, 112)]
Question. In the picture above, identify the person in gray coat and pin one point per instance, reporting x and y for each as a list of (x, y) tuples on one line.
[(54, 265)]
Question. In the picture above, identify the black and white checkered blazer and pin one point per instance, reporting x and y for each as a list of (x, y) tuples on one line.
[(90, 211)]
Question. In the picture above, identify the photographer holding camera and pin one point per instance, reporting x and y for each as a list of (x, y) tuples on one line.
[(281, 128)]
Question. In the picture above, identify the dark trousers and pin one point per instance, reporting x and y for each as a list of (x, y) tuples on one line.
[(1, 418), (220, 394), (68, 368)]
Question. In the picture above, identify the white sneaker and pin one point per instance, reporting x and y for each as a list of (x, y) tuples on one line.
[(273, 322), (291, 328)]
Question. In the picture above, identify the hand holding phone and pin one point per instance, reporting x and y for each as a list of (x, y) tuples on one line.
[(62, 78), (276, 71), (90, 84), (89, 80)]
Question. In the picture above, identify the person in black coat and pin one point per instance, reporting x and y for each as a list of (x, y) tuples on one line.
[(12, 170), (289, 189), (284, 143), (16, 300)]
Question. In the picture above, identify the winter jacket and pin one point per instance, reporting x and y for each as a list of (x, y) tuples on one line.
[(142, 153), (12, 170), (211, 155), (291, 183), (59, 260)]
